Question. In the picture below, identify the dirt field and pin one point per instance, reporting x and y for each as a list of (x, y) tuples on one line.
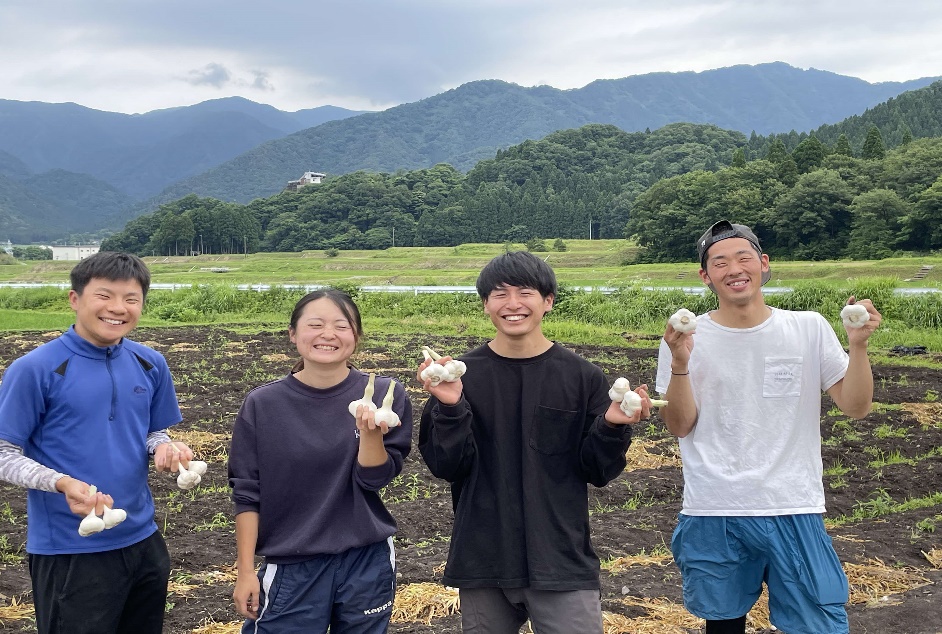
[(883, 481)]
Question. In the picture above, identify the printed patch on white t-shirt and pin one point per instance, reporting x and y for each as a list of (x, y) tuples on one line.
[(782, 377)]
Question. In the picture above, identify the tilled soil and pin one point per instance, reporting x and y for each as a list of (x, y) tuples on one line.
[(877, 464)]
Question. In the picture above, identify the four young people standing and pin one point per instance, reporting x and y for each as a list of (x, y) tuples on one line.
[(519, 437)]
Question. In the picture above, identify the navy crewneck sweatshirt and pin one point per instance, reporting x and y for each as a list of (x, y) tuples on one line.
[(294, 461)]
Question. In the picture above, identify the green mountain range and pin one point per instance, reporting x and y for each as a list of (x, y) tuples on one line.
[(236, 150)]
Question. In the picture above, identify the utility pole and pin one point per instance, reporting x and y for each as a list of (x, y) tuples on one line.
[(394, 235)]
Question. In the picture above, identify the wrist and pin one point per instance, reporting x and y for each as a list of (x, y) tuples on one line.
[(860, 346), (62, 483)]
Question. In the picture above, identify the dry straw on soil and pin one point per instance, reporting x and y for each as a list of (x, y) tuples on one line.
[(424, 602), (15, 611), (874, 581), (662, 617), (205, 445), (926, 414), (934, 557), (639, 456), (212, 627), (642, 559)]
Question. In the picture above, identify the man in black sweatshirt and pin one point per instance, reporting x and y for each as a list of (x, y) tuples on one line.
[(519, 436)]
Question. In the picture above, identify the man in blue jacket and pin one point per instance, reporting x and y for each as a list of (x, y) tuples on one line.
[(88, 409)]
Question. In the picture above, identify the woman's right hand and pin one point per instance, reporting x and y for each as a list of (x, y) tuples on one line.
[(245, 596)]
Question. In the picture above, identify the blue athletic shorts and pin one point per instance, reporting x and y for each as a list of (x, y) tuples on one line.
[(724, 560)]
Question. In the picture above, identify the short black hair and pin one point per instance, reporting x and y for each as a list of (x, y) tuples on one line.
[(110, 265), (517, 268)]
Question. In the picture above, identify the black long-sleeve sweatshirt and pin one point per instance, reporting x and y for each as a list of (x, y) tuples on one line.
[(519, 450)]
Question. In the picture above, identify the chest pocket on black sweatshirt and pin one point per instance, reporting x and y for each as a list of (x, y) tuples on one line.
[(554, 431)]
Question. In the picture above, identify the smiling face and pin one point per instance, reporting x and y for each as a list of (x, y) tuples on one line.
[(324, 335), (107, 310), (517, 311), (734, 269)]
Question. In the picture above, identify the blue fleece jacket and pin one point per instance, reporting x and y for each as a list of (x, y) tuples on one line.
[(86, 411)]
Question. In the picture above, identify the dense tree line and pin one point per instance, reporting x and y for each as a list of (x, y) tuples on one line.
[(830, 206), (814, 201), (31, 253), (561, 186)]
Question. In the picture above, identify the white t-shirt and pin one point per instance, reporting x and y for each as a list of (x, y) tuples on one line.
[(756, 447)]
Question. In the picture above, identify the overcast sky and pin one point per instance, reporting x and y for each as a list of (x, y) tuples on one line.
[(141, 55)]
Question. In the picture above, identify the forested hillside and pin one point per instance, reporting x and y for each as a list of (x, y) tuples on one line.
[(661, 188), (141, 154), (915, 114), (470, 123)]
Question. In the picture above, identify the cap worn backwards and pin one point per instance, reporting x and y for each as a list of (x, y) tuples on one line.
[(721, 231)]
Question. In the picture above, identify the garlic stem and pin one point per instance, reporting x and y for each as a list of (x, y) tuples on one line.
[(91, 524)]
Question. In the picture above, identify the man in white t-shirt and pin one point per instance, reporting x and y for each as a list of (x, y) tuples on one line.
[(745, 402)]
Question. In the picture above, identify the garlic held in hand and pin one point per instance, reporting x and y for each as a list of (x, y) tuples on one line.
[(112, 517), (367, 400), (683, 321), (187, 479), (91, 523), (855, 316), (454, 369), (385, 414), (434, 373), (620, 392)]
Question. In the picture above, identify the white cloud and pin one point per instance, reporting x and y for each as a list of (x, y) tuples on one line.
[(370, 54)]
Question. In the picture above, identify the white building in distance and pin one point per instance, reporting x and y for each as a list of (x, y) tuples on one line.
[(74, 252), (308, 178)]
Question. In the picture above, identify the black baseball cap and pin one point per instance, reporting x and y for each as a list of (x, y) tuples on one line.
[(725, 229)]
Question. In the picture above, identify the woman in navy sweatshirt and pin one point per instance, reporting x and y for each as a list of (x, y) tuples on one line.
[(305, 477)]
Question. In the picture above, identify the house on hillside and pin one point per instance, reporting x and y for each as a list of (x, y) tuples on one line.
[(74, 252), (308, 178)]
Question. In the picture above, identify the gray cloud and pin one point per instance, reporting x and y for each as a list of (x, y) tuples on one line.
[(376, 53), (212, 74), (261, 81)]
